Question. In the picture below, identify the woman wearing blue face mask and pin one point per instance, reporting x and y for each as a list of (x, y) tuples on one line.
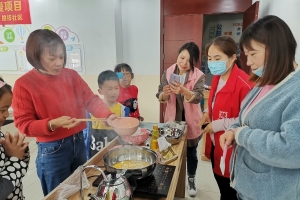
[(265, 163), (229, 87)]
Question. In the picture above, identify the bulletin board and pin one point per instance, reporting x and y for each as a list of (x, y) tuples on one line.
[(75, 57), (89, 26), (13, 59), (12, 49), (13, 52)]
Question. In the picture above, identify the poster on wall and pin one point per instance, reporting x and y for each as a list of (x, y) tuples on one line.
[(13, 52), (75, 57), (16, 34), (13, 59), (12, 49), (220, 25), (14, 12), (75, 53)]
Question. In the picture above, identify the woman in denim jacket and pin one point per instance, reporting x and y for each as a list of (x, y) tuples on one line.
[(265, 163)]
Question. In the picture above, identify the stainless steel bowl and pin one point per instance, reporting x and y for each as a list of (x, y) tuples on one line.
[(131, 153), (172, 135)]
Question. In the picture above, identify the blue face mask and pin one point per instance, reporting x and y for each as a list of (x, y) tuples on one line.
[(120, 75), (258, 71), (218, 67)]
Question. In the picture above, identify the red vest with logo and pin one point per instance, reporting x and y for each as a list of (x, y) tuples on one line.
[(226, 105)]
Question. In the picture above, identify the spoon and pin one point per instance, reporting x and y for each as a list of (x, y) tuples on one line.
[(91, 120)]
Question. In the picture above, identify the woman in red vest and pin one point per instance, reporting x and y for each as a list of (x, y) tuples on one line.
[(229, 87)]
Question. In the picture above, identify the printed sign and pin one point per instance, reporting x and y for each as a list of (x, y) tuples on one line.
[(14, 12)]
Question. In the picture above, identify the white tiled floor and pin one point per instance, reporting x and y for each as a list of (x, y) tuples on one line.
[(205, 182), (31, 182)]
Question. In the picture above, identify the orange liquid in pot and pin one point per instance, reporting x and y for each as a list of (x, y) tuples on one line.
[(130, 164)]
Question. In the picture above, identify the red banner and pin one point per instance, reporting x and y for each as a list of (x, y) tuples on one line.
[(14, 12)]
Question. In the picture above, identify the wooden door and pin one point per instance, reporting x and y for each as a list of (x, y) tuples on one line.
[(178, 30), (250, 16), (184, 7)]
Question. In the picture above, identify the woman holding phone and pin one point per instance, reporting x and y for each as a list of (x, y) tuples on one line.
[(181, 88), (229, 87)]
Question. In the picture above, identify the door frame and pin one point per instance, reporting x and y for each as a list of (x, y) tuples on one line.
[(256, 4)]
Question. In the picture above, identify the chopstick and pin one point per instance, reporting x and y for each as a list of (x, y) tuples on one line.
[(91, 120)]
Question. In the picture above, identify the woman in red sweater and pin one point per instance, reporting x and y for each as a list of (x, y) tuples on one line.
[(47, 100), (228, 88)]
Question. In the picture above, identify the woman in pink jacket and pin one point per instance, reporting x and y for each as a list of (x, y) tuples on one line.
[(183, 102)]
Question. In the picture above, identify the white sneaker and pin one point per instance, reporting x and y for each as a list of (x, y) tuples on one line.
[(192, 191)]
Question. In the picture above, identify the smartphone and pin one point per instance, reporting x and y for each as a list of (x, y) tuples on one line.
[(204, 125), (174, 77)]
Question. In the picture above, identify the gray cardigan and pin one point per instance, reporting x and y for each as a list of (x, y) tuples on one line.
[(266, 160)]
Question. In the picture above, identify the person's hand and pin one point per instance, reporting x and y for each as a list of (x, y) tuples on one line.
[(141, 118), (205, 119), (228, 138), (176, 88), (208, 128), (64, 121), (167, 91), (14, 145), (111, 118)]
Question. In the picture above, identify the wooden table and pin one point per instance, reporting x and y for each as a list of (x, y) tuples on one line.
[(206, 95), (177, 187), (202, 149)]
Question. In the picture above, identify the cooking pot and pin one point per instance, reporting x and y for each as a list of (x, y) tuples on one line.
[(113, 186), (131, 153)]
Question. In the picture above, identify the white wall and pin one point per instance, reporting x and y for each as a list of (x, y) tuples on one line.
[(118, 30), (141, 50), (287, 11), (93, 21), (141, 35), (112, 31)]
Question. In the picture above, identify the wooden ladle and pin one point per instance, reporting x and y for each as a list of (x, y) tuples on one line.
[(91, 120)]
